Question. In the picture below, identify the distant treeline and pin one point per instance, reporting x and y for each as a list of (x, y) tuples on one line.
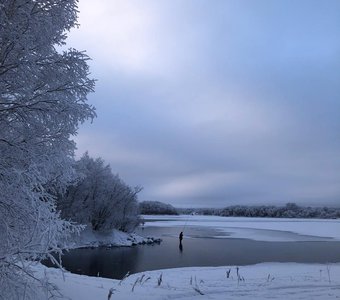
[(156, 208), (290, 210)]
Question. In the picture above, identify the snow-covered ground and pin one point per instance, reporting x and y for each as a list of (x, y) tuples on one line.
[(259, 229), (262, 281)]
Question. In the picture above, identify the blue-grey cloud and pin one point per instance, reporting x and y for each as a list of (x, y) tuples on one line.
[(216, 103)]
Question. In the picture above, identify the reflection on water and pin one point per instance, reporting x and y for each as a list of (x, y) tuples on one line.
[(180, 246), (197, 249)]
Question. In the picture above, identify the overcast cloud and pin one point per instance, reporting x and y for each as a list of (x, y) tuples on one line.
[(215, 103)]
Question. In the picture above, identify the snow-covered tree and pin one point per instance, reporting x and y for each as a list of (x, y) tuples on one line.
[(42, 101), (100, 198)]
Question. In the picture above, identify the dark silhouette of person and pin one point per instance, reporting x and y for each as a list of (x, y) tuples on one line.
[(180, 241), (181, 237)]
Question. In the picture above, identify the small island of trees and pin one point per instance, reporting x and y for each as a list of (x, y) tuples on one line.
[(156, 208)]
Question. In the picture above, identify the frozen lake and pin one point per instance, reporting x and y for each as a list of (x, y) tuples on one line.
[(206, 244)]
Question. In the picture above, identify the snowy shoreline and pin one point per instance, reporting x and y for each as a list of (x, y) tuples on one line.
[(113, 238), (265, 280)]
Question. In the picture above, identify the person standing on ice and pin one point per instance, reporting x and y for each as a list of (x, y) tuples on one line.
[(180, 241), (181, 237)]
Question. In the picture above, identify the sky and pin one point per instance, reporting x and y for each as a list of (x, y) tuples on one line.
[(215, 103)]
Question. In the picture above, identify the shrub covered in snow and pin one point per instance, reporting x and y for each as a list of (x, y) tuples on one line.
[(100, 198)]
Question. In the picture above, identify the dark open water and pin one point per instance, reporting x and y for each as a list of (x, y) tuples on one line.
[(199, 249)]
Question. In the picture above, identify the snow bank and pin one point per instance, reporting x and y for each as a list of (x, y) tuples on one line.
[(90, 238), (259, 229), (267, 280)]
